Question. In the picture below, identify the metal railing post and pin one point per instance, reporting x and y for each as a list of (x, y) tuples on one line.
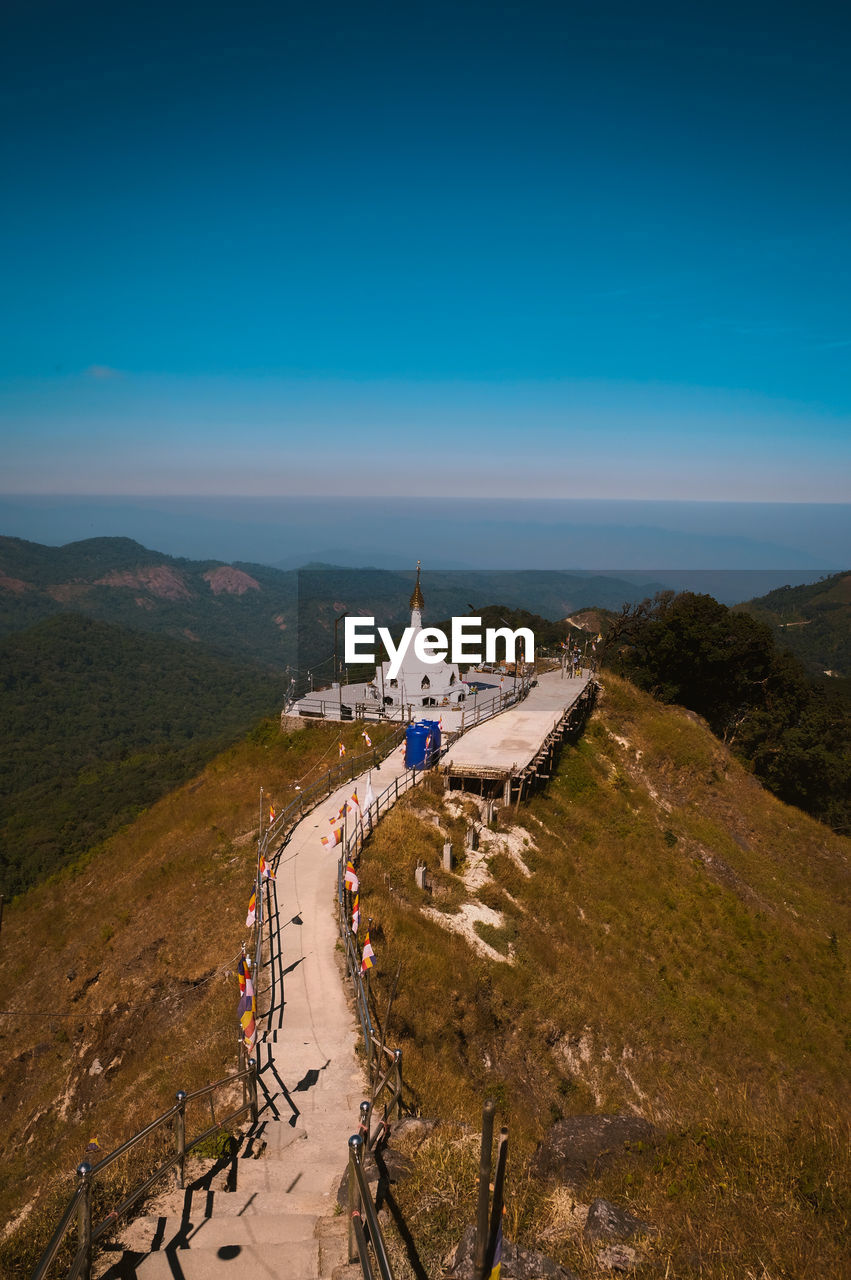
[(479, 1257), (252, 1088), (370, 1047), (355, 1206), (84, 1221), (180, 1136), (397, 1055), (363, 1127)]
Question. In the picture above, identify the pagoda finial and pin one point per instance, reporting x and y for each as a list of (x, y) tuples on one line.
[(417, 601)]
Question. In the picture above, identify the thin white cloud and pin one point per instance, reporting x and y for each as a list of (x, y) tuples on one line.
[(833, 346), (100, 372)]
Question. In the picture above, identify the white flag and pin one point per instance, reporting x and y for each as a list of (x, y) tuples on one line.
[(368, 802)]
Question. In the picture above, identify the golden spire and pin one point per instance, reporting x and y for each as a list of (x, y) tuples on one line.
[(417, 601)]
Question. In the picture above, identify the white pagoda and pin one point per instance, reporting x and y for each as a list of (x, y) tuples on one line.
[(418, 683)]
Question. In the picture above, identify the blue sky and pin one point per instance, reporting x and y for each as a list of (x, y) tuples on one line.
[(550, 250)]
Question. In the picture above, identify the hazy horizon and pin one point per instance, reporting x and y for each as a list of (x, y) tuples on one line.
[(683, 543)]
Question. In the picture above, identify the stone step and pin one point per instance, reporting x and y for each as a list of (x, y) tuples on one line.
[(274, 1200), (333, 1236), (277, 1135), (294, 1181), (279, 1260), (312, 1126), (186, 1234)]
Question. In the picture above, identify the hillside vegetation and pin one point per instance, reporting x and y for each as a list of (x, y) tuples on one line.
[(654, 934), (245, 611), (119, 976), (255, 612), (813, 621), (793, 731), (97, 722)]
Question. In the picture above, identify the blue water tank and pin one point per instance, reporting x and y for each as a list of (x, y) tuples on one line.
[(415, 746), (433, 727)]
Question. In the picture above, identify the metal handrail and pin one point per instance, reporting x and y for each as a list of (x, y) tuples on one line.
[(289, 818), (352, 845), (81, 1201), (59, 1234), (325, 785), (362, 1247), (316, 707), (361, 1202)]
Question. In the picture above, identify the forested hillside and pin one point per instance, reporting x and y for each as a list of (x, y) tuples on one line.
[(97, 722), (250, 611), (792, 730), (246, 611), (813, 621)]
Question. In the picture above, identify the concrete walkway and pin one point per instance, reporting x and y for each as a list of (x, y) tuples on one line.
[(272, 1211), (509, 742)]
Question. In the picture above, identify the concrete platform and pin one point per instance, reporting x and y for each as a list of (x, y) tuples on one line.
[(506, 745)]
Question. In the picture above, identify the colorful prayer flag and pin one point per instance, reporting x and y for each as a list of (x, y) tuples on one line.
[(367, 739), (252, 909), (352, 881), (271, 813), (368, 960), (247, 1019), (243, 972), (355, 913), (342, 749), (266, 872), (246, 1010), (336, 837), (497, 1254)]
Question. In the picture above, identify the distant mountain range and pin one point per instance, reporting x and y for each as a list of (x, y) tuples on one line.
[(257, 613), (280, 618), (503, 533)]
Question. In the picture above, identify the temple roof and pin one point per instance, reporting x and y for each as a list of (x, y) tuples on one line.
[(417, 601)]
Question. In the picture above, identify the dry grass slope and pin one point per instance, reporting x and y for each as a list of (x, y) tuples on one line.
[(652, 933), (680, 951), (127, 960)]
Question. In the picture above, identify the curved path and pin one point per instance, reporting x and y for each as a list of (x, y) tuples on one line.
[(273, 1210)]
